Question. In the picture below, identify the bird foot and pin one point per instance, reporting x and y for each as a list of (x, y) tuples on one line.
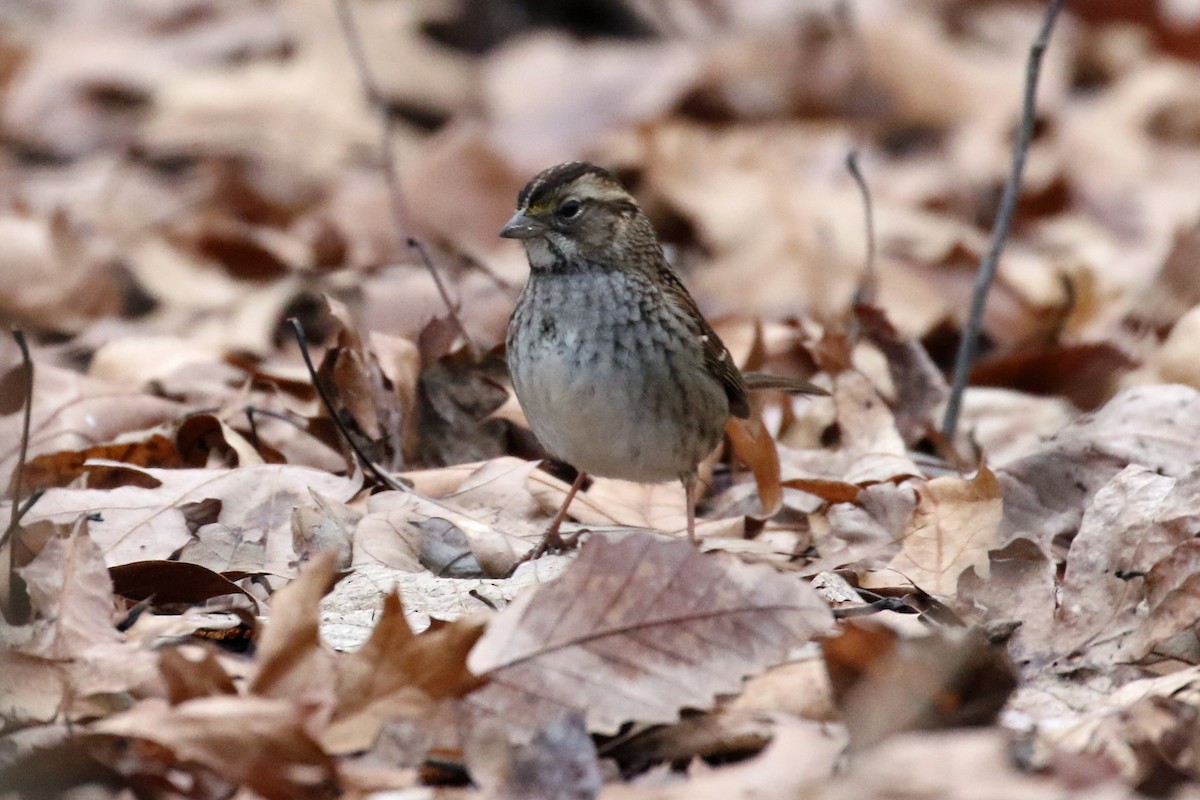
[(552, 542)]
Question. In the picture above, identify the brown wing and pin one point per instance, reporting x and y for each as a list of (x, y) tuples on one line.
[(717, 358)]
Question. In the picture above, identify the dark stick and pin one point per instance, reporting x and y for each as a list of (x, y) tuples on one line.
[(367, 464), (396, 198), (22, 510), (1008, 205), (868, 284), (18, 601), (27, 362)]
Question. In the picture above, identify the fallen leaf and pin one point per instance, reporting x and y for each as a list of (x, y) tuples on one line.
[(1045, 493), (754, 446), (256, 742), (292, 662), (72, 598), (132, 523), (616, 635), (885, 685), (952, 529), (399, 673)]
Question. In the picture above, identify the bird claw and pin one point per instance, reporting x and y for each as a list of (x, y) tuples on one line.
[(552, 542)]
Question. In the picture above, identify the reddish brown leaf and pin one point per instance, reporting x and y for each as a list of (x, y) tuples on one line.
[(59, 469), (885, 685), (172, 582), (754, 446), (829, 491)]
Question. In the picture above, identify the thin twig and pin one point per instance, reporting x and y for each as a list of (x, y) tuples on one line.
[(1008, 204), (423, 254), (868, 282), (22, 509), (18, 602), (367, 464), (19, 474), (370, 88)]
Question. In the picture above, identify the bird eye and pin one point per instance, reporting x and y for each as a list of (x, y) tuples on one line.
[(568, 210)]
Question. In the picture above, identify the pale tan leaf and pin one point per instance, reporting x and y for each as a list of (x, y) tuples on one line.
[(133, 523), (32, 691), (1045, 493), (72, 597), (257, 742), (952, 528), (399, 674), (292, 661), (638, 629)]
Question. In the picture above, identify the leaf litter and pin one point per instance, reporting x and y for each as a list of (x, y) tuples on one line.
[(207, 598)]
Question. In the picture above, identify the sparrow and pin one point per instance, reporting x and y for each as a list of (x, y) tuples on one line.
[(615, 368)]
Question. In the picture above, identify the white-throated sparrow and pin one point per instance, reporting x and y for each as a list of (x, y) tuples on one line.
[(618, 373)]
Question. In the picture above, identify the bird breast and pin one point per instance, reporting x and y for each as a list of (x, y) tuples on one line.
[(604, 390)]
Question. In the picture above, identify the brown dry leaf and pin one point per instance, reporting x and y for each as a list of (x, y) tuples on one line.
[(800, 688), (292, 662), (622, 634), (536, 120), (886, 685), (456, 396), (173, 583), (870, 449), (60, 469), (952, 529), (1173, 595), (256, 742), (1174, 362), (559, 762), (325, 525), (1020, 589), (71, 412), (714, 736), (132, 523), (193, 673), (348, 614), (829, 491), (1124, 565), (1087, 374), (1008, 425), (380, 411), (800, 756), (493, 505), (962, 765), (919, 386), (399, 673), (867, 533), (1175, 288), (754, 446), (54, 271)]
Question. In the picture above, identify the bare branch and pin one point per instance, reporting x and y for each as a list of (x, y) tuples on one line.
[(18, 605), (1008, 204), (370, 88), (868, 282)]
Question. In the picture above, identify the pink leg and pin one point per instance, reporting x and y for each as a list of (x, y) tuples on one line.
[(689, 487), (553, 540)]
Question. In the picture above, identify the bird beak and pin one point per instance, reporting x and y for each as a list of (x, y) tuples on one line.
[(522, 226)]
